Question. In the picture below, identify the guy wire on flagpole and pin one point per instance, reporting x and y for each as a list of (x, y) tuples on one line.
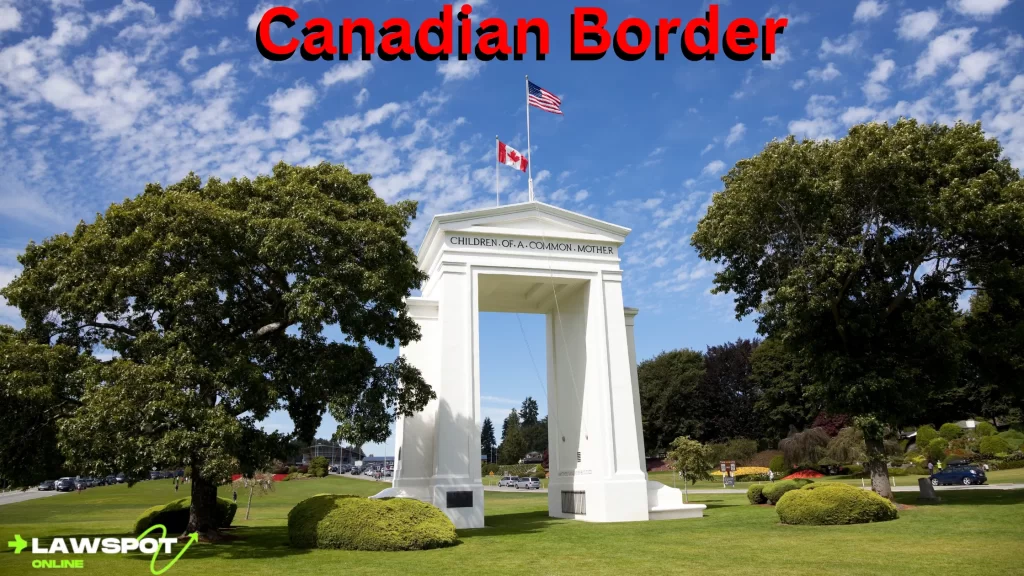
[(497, 190), (529, 159)]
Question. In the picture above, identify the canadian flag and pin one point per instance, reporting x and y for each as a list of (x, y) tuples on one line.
[(510, 156)]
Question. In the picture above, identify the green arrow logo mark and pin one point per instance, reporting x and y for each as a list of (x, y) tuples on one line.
[(18, 544), (192, 538)]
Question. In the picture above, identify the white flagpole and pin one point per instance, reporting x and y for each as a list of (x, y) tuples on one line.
[(529, 158), (497, 190)]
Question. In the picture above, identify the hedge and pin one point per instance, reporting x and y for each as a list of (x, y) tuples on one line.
[(950, 431), (778, 464), (992, 445), (346, 522), (832, 504), (174, 515), (755, 494), (773, 492)]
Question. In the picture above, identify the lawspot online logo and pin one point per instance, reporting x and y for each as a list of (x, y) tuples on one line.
[(140, 544)]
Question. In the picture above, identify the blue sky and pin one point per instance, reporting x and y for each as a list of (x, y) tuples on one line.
[(99, 98)]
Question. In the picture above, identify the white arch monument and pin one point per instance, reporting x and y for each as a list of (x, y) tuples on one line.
[(535, 258)]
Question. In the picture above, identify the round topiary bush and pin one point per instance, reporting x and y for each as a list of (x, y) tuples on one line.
[(950, 431), (992, 445), (174, 515), (773, 492), (755, 494), (777, 464), (833, 504), (346, 522)]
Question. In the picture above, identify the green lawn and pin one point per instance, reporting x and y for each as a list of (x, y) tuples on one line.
[(972, 532)]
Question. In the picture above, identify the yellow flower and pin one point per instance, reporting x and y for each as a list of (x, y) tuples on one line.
[(743, 471)]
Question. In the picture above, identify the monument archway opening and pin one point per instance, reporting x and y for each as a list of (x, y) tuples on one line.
[(538, 259)]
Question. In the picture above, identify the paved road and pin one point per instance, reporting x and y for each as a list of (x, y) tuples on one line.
[(30, 494)]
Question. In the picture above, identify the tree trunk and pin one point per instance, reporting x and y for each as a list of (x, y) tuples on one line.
[(249, 504), (877, 467), (202, 514), (685, 498)]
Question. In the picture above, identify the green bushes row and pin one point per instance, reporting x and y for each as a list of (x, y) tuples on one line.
[(755, 494), (174, 515), (345, 522), (832, 504), (318, 467), (773, 492)]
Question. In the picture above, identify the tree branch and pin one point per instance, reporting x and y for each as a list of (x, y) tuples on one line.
[(114, 327)]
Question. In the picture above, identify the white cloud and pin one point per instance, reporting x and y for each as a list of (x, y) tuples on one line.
[(253, 21), (10, 18), (918, 25), (798, 84), (184, 9), (348, 125), (979, 8), (874, 88), (974, 67), (187, 57), (826, 74), (858, 115), (214, 78), (942, 50), (869, 10), (735, 134), (347, 72), (361, 97), (707, 149), (581, 195), (713, 168), (781, 56), (459, 69), (288, 107), (819, 125), (842, 46)]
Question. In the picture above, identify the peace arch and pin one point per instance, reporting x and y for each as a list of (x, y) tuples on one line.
[(530, 258)]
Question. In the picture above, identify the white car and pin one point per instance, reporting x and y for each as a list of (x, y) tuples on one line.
[(528, 484), (507, 482)]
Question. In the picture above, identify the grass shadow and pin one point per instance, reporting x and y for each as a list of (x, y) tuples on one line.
[(506, 524), (256, 542)]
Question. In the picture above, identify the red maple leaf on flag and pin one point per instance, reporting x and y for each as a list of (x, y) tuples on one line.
[(512, 155)]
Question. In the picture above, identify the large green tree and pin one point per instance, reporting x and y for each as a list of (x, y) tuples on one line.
[(727, 380), (671, 402), (487, 442), (854, 253), (215, 299), (39, 385), (529, 413), (783, 406), (513, 445)]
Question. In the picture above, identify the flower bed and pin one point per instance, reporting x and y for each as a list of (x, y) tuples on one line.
[(744, 471), (804, 474)]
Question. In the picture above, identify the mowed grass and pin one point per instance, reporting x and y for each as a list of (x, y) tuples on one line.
[(972, 532)]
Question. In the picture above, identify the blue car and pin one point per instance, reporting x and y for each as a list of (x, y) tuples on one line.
[(966, 475)]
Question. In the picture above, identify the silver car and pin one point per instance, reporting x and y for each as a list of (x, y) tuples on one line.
[(528, 484), (507, 482)]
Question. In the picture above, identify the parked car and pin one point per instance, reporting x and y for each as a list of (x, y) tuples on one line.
[(966, 475), (508, 482), (356, 471), (120, 478), (110, 480), (65, 484), (46, 486), (528, 484), (81, 484)]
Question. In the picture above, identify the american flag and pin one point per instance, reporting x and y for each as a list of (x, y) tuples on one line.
[(541, 98)]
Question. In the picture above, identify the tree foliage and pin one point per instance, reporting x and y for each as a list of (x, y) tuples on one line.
[(215, 299), (804, 448), (671, 403), (691, 459), (513, 445), (783, 380), (529, 413), (487, 441), (854, 253)]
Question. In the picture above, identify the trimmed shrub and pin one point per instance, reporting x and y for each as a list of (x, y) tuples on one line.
[(318, 467), (936, 450), (950, 431), (854, 469), (983, 429), (832, 504), (174, 515), (755, 494), (1013, 437), (778, 464), (917, 471), (925, 434), (773, 492), (345, 522), (992, 445)]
